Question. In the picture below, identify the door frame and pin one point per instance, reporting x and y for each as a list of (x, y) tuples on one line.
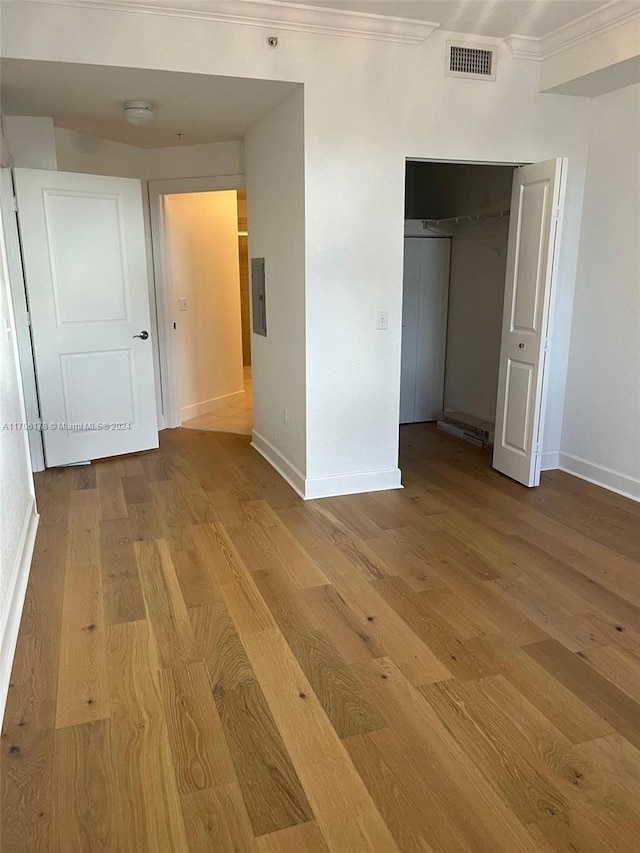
[(21, 318), (157, 191)]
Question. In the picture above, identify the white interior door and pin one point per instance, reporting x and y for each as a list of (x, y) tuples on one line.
[(424, 320), (531, 260), (86, 277)]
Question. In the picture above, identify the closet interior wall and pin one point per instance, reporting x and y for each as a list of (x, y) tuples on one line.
[(478, 254)]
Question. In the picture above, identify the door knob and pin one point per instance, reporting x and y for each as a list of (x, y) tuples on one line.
[(521, 346), (143, 334)]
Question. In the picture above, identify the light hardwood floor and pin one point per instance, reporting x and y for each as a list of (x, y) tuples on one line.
[(206, 663)]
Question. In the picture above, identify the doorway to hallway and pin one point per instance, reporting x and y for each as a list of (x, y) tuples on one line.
[(235, 417), (201, 253)]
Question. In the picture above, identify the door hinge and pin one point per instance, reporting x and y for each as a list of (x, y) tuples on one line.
[(547, 344), (14, 203), (28, 316), (556, 213)]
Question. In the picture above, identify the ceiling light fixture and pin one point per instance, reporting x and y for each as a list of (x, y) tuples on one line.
[(138, 112)]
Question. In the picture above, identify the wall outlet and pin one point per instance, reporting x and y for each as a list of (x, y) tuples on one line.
[(382, 320), (182, 303)]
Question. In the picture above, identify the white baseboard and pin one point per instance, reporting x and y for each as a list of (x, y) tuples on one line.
[(325, 487), (286, 469), (210, 407), (550, 461), (17, 591), (352, 484), (600, 475)]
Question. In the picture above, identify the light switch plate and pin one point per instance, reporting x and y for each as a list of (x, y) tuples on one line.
[(182, 303), (382, 320)]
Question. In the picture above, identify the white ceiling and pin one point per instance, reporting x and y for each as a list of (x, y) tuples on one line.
[(88, 98), (497, 18)]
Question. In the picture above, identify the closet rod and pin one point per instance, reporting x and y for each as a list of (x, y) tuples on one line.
[(455, 220)]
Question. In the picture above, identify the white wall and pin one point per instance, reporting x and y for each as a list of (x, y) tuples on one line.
[(355, 165), (79, 152), (601, 434), (476, 297), (18, 519), (194, 161), (369, 105), (274, 151), (31, 141), (203, 266)]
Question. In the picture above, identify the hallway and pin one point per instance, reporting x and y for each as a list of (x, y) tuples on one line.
[(235, 418)]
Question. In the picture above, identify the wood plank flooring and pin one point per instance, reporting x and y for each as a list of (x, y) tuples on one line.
[(207, 663)]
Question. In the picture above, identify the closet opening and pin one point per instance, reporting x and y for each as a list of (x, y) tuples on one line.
[(456, 236)]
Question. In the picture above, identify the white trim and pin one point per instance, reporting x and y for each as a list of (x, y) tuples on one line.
[(286, 469), (196, 185), (209, 407), (20, 576), (550, 460), (295, 17), (273, 14), (600, 475), (21, 318), (325, 487), (583, 29), (523, 47), (157, 190), (515, 165), (353, 484)]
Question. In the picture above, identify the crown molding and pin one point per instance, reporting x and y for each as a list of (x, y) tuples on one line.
[(469, 38), (614, 14), (268, 13), (523, 47)]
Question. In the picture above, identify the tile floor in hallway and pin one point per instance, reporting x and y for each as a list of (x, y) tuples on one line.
[(235, 418)]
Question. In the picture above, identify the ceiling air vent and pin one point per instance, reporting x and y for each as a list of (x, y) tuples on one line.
[(477, 62)]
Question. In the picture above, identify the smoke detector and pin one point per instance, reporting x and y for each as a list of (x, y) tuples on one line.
[(138, 112)]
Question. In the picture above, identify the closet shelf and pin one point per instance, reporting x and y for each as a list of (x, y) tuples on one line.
[(457, 220)]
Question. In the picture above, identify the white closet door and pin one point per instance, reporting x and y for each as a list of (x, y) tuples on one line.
[(536, 204), (424, 320)]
